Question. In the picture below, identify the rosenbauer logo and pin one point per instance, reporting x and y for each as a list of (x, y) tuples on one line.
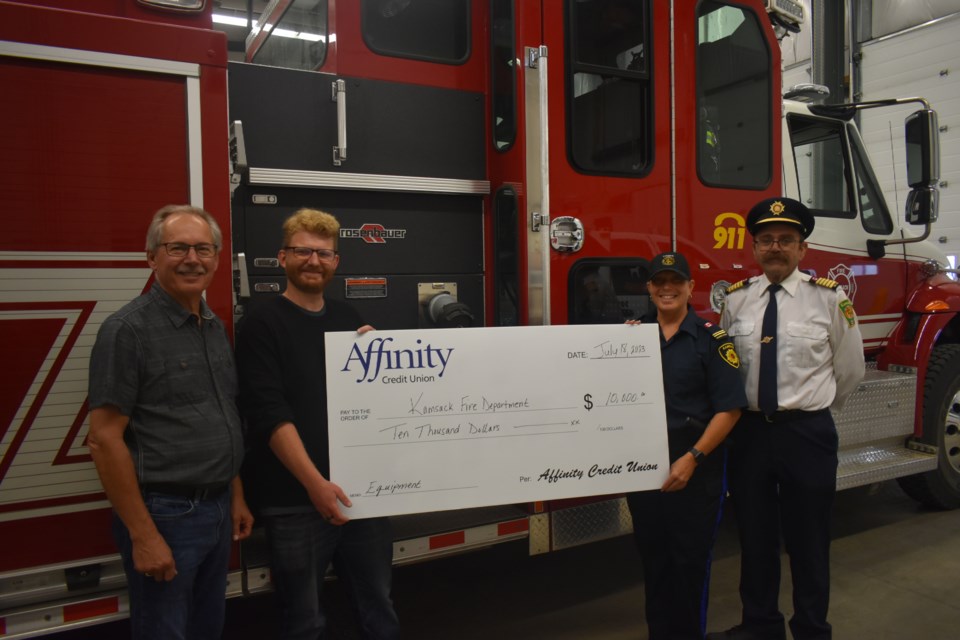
[(373, 233)]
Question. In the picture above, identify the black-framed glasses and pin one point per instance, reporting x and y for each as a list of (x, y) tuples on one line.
[(766, 244), (181, 249), (304, 253)]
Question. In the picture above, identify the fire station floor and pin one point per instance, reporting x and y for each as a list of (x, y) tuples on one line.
[(895, 575)]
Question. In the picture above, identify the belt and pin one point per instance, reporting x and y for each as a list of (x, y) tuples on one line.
[(788, 415), (200, 492)]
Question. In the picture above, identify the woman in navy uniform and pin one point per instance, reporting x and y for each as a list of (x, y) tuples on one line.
[(675, 527)]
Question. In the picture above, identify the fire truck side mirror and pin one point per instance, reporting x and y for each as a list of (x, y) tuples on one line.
[(922, 204), (923, 149)]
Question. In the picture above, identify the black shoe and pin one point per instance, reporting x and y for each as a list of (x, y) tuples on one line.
[(734, 633)]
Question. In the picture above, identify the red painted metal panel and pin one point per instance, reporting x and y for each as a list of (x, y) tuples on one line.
[(93, 154), (146, 36), (89, 154), (622, 216), (699, 205), (58, 538), (351, 56), (25, 344)]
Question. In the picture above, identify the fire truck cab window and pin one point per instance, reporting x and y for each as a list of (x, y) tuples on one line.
[(734, 120), (299, 39), (831, 167), (503, 64), (609, 117), (608, 291), (432, 30)]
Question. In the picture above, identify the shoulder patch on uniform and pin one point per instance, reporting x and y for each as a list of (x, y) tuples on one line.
[(717, 332), (738, 285), (825, 282), (846, 308), (729, 354)]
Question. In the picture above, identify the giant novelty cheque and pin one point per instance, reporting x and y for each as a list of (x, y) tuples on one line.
[(429, 420)]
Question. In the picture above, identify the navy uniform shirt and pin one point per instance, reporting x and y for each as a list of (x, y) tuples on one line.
[(700, 372)]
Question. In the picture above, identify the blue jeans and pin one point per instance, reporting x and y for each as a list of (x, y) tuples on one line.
[(191, 606), (303, 545)]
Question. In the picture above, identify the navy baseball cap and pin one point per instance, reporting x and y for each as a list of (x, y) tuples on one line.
[(671, 261)]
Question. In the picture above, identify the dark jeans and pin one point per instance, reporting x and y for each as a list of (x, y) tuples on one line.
[(302, 546), (783, 478), (191, 605)]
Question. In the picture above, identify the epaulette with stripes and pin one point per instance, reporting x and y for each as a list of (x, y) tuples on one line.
[(825, 282), (717, 332), (738, 285)]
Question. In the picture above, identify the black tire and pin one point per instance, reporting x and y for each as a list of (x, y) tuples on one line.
[(940, 488)]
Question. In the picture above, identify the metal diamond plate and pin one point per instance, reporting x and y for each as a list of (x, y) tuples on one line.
[(879, 462), (590, 522), (539, 533), (882, 407)]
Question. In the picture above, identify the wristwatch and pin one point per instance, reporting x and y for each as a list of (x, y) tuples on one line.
[(698, 455)]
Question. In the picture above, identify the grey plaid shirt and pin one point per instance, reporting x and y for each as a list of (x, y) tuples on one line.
[(177, 382)]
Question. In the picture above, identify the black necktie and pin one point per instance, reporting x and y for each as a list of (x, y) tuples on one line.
[(767, 389)]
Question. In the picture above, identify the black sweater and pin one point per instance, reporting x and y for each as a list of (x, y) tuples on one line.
[(280, 357)]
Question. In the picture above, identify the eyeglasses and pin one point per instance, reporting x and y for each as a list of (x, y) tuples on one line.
[(304, 253), (766, 244), (181, 249)]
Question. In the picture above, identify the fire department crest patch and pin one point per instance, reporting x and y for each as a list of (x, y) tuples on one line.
[(846, 308), (846, 277), (669, 261), (718, 294), (729, 354), (777, 208)]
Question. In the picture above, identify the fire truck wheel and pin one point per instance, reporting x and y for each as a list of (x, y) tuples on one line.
[(940, 488)]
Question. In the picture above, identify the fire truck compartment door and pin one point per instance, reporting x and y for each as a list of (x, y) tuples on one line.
[(290, 122)]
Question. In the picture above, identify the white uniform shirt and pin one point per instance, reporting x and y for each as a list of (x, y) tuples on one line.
[(819, 352)]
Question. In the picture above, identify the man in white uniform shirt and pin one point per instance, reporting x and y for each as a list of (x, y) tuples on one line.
[(802, 353)]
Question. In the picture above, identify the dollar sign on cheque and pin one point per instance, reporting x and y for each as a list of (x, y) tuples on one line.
[(587, 402)]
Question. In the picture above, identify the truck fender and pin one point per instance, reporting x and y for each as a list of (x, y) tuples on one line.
[(938, 294), (911, 345)]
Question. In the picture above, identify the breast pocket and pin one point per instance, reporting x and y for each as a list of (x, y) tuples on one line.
[(186, 380), (807, 345), (744, 340)]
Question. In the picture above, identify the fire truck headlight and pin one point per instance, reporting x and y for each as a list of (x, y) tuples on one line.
[(930, 268)]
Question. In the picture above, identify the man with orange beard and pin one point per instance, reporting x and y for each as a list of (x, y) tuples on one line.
[(281, 355)]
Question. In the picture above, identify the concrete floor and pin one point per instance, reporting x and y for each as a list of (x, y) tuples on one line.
[(895, 570), (896, 575)]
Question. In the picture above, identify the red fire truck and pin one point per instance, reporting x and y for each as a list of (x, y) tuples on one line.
[(493, 163)]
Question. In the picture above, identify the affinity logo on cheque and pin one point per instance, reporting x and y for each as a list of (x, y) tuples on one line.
[(378, 356)]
